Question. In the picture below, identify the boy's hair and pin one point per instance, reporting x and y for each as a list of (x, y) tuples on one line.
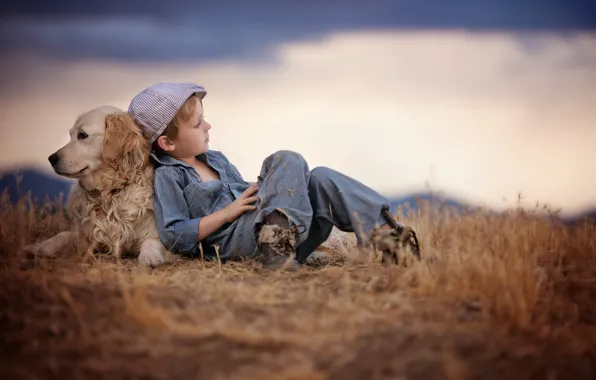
[(183, 114)]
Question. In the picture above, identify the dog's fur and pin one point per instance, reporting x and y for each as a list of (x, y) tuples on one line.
[(111, 204)]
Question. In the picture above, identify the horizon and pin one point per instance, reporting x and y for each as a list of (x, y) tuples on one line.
[(395, 200)]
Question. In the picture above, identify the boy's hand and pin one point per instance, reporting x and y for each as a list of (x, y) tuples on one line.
[(211, 223), (241, 205)]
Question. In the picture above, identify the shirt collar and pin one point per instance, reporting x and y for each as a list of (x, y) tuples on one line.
[(168, 160)]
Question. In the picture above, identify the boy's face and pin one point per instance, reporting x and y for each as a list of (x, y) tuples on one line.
[(193, 135)]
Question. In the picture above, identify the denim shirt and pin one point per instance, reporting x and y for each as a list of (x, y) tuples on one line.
[(181, 199)]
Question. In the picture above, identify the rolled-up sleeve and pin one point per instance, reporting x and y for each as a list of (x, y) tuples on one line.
[(177, 230)]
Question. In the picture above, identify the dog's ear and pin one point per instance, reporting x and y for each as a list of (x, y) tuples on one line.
[(124, 147)]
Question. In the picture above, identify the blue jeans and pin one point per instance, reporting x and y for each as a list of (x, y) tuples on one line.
[(316, 199)]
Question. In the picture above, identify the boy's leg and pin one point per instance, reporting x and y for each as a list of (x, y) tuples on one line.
[(297, 209), (341, 201), (283, 210), (283, 186)]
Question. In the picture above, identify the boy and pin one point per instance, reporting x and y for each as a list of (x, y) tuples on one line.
[(201, 198)]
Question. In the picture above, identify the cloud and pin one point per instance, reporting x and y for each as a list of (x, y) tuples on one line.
[(441, 14), (480, 116), (138, 39), (140, 30)]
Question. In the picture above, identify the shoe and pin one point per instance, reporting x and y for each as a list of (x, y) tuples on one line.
[(280, 262), (277, 243), (393, 241)]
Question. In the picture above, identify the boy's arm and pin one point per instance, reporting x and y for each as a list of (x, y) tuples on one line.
[(211, 223), (177, 230)]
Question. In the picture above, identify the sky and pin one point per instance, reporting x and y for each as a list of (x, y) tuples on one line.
[(479, 100)]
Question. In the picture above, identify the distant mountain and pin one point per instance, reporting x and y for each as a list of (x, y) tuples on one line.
[(409, 203), (35, 181), (581, 217), (42, 185), (459, 206)]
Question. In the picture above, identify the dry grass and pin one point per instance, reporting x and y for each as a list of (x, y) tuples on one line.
[(497, 296)]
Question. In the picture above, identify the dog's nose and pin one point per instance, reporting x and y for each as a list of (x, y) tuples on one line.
[(54, 159)]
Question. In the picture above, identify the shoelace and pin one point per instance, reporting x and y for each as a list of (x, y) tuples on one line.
[(282, 244), (295, 228), (412, 239)]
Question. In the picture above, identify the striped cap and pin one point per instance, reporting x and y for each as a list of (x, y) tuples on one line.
[(155, 107)]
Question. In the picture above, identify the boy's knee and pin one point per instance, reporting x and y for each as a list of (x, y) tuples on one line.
[(321, 173), (285, 160), (321, 177), (285, 156)]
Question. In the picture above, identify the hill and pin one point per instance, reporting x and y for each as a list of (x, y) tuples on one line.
[(40, 184)]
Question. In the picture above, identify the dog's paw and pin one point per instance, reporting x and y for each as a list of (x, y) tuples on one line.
[(152, 258), (41, 249)]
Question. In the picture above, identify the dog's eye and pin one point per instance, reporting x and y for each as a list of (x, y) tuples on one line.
[(82, 135)]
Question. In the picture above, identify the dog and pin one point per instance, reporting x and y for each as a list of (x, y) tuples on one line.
[(111, 203)]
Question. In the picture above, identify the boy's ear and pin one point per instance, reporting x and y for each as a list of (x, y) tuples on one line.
[(165, 143)]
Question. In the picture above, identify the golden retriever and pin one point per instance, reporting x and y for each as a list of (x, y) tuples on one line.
[(111, 204)]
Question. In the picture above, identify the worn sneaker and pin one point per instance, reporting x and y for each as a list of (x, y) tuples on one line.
[(392, 241), (277, 243)]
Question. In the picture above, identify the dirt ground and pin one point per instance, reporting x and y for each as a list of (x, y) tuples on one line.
[(508, 296)]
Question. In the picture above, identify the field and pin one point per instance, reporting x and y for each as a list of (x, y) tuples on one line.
[(497, 296)]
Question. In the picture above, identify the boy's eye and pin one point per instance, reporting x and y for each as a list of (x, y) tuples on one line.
[(82, 135)]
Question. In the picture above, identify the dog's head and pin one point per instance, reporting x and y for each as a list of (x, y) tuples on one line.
[(104, 138)]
